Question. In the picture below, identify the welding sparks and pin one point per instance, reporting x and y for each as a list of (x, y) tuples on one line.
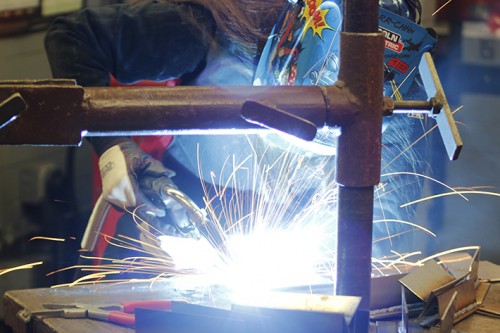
[(53, 239), (439, 9), (454, 192), (279, 234), (272, 224), (269, 260), (20, 267)]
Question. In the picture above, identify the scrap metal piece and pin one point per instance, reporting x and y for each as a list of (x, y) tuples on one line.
[(489, 271), (443, 114), (474, 267), (425, 279), (240, 319), (491, 302), (295, 321), (465, 302), (446, 319), (438, 287), (481, 292), (385, 291), (346, 305), (457, 264)]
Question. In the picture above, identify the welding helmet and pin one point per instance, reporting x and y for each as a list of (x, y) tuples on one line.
[(304, 49), (304, 45)]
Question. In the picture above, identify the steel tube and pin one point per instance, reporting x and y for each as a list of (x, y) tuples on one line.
[(358, 168), (418, 106), (192, 109), (359, 152), (354, 243), (360, 16), (59, 113)]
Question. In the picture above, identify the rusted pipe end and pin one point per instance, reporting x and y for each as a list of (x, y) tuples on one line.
[(53, 115)]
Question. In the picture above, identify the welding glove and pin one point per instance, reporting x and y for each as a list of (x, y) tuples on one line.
[(120, 167), (182, 214)]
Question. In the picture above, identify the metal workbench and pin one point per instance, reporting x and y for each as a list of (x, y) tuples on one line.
[(18, 305)]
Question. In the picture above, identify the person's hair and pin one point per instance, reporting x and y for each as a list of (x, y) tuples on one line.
[(245, 22)]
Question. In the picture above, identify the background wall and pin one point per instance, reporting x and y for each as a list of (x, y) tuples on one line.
[(30, 179), (30, 182), (468, 61)]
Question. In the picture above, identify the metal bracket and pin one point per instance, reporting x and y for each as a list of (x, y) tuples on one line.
[(441, 109)]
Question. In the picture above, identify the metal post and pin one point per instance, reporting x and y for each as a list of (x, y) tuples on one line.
[(359, 151)]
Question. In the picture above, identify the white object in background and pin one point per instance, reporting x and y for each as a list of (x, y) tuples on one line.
[(479, 45), (56, 7), (17, 4)]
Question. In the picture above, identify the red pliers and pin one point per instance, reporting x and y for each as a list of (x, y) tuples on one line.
[(121, 313)]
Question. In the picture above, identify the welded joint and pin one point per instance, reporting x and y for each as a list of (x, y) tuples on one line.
[(342, 106), (437, 103), (388, 106)]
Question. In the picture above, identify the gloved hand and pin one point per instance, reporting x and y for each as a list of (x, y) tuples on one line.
[(182, 214), (121, 166)]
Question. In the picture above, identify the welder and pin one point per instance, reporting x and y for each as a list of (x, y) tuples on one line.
[(186, 42)]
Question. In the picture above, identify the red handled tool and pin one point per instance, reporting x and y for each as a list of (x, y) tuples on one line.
[(121, 313)]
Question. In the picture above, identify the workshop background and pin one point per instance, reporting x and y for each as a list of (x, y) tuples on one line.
[(45, 191)]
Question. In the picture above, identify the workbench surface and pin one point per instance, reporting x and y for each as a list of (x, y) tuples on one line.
[(18, 305)]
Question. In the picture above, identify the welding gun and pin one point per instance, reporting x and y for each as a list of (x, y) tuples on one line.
[(182, 216)]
